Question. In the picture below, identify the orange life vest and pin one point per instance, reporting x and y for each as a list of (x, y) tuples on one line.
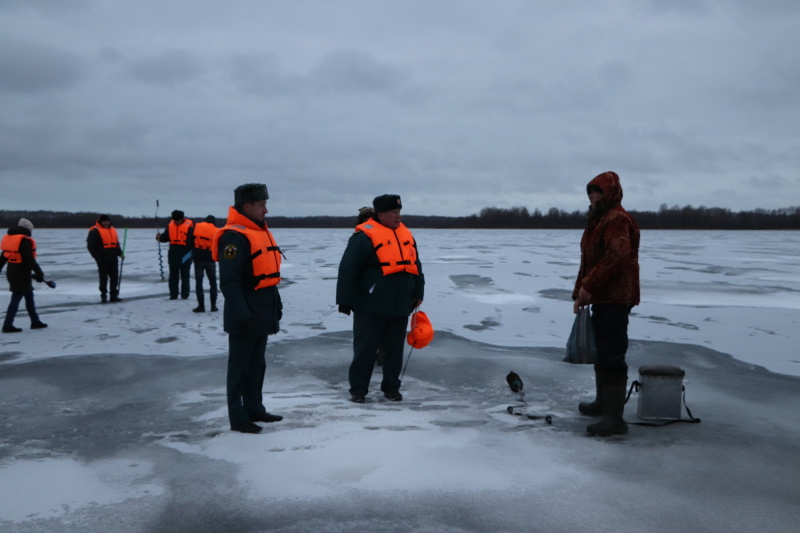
[(204, 234), (179, 234), (264, 252), (11, 245), (396, 249), (109, 235)]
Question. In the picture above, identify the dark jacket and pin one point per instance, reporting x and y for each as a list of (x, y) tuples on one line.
[(246, 311), (609, 268), (19, 275), (94, 243), (362, 285), (178, 254)]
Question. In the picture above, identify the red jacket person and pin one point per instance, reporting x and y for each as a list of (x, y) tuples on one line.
[(608, 280)]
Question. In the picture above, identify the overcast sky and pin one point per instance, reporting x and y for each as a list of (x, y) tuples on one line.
[(110, 105)]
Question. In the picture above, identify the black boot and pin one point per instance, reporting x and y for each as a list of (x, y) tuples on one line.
[(201, 306), (214, 304), (595, 408), (614, 406)]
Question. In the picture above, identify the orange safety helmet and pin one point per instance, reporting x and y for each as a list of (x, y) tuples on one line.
[(421, 333)]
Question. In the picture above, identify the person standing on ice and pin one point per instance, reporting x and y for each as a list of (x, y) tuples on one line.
[(103, 243), (19, 251), (178, 235), (608, 280), (381, 282), (249, 273), (204, 265)]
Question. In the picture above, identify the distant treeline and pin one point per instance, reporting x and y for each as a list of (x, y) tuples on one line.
[(674, 217)]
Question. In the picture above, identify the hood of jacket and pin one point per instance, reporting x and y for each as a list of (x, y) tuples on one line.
[(612, 191)]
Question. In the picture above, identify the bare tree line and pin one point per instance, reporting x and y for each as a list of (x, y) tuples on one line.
[(666, 217)]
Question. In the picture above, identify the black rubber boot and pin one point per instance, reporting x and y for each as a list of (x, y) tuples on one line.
[(201, 306), (595, 407), (214, 304), (613, 409)]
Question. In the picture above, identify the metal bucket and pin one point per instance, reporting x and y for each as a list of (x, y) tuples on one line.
[(660, 388)]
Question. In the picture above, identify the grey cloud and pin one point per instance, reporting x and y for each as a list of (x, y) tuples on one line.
[(263, 74), (27, 67), (166, 68), (356, 71)]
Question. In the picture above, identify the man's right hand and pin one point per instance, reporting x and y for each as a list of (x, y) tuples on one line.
[(345, 309)]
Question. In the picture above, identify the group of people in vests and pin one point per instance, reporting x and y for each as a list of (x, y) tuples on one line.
[(191, 243), (380, 281)]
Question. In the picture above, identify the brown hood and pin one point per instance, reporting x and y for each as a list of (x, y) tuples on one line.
[(612, 190)]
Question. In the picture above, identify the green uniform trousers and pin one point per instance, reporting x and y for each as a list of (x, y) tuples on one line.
[(246, 368), (370, 333)]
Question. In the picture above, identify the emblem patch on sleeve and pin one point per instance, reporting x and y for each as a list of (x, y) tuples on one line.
[(229, 252)]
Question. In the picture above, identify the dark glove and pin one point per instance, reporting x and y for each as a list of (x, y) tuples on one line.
[(245, 326), (345, 309), (39, 278)]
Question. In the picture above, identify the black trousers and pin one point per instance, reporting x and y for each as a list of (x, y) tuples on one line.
[(370, 333), (246, 368), (610, 324), (209, 269), (108, 270), (179, 274)]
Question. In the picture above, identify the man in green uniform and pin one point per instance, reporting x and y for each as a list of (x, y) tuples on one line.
[(249, 268), (381, 282)]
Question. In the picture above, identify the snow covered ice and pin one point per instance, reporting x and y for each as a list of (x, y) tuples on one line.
[(114, 419)]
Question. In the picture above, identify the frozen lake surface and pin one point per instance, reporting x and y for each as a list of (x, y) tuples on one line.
[(113, 418)]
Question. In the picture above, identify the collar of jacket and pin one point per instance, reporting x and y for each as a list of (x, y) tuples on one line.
[(237, 217)]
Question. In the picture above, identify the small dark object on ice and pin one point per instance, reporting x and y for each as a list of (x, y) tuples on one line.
[(546, 418), (514, 381)]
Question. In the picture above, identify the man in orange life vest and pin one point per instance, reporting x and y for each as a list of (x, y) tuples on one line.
[(103, 243), (180, 252), (381, 281), (19, 251), (249, 273), (202, 236)]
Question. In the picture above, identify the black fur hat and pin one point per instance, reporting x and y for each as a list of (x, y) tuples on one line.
[(103, 218), (177, 215), (386, 202), (249, 193)]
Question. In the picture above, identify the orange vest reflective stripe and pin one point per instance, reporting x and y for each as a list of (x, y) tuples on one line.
[(178, 234), (264, 252), (11, 245), (109, 235), (204, 234), (396, 249)]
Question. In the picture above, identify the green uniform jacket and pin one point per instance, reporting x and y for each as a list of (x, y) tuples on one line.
[(362, 285), (246, 311)]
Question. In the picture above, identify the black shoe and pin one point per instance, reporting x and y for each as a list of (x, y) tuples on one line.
[(103, 299), (247, 428), (38, 325), (393, 396), (266, 417), (11, 329), (115, 299), (214, 308), (357, 398), (173, 297), (184, 297), (199, 309)]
